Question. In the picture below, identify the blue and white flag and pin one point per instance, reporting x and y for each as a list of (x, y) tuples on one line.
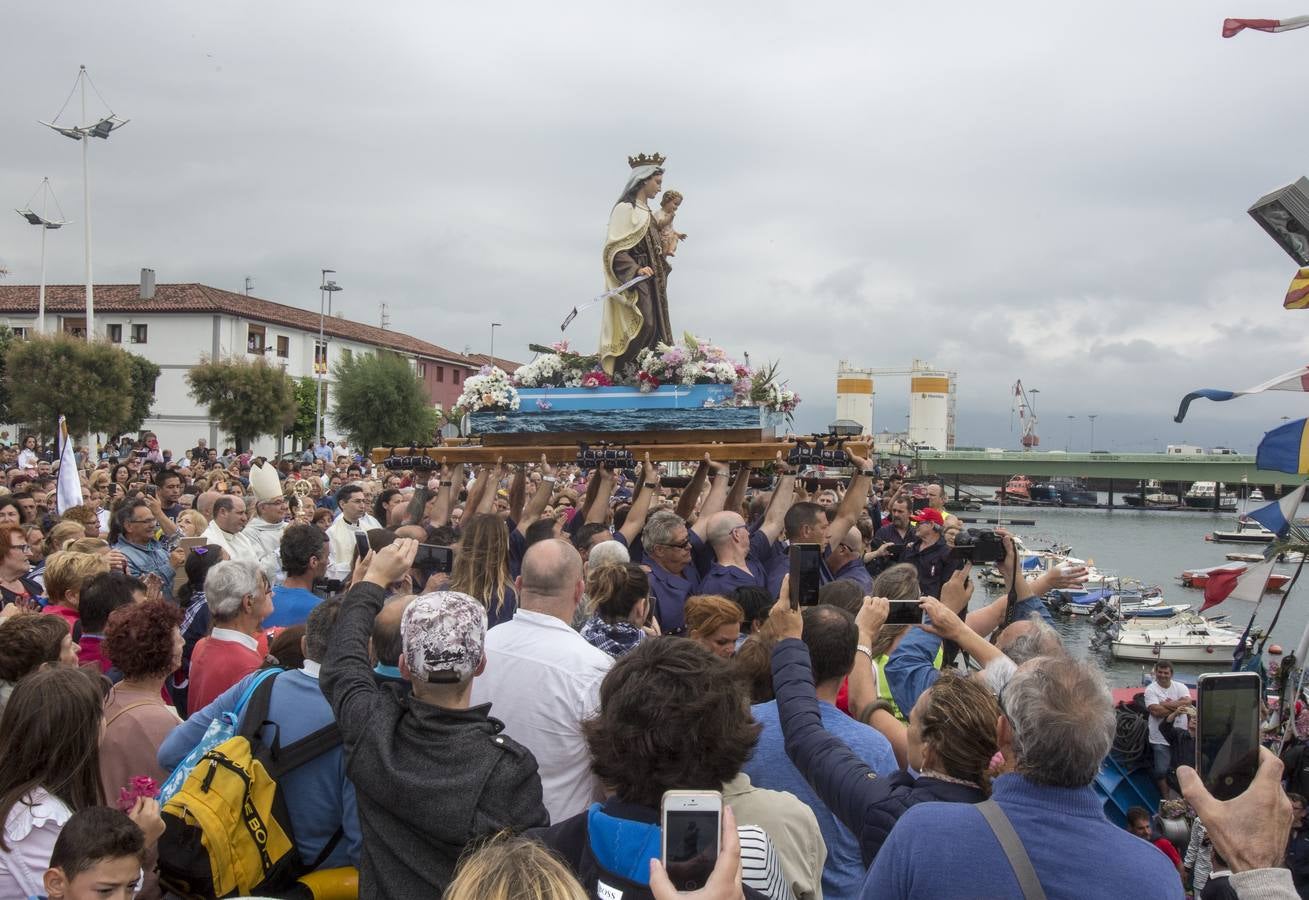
[(1278, 515), (1297, 380), (68, 488)]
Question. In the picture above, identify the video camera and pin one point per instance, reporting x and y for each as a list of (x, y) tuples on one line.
[(411, 460), (978, 546)]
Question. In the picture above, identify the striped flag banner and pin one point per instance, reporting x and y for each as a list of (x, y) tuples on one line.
[(1233, 27), (68, 487), (1285, 449), (1297, 295), (1297, 380)]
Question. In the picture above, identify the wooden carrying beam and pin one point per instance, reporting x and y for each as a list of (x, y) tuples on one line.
[(765, 451)]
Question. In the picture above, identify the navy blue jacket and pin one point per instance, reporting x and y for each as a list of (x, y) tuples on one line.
[(869, 806)]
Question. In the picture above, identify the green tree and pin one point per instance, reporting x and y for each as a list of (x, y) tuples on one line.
[(90, 383), (246, 398), (144, 376), (301, 431), (379, 401), (7, 340)]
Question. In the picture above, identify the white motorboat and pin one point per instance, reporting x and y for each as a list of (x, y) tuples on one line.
[(1257, 494), (1187, 638), (1210, 495)]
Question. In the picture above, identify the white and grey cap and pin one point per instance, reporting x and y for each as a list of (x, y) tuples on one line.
[(442, 634)]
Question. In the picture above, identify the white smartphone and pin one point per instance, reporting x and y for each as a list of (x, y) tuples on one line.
[(692, 822)]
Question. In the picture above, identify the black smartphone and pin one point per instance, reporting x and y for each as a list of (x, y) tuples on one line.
[(361, 544), (433, 558), (692, 823), (1227, 731), (918, 504), (904, 612), (805, 577)]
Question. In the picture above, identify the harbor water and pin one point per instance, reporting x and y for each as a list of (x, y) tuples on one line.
[(1153, 547)]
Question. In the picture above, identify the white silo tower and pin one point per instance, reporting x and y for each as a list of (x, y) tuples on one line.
[(930, 398), (854, 396)]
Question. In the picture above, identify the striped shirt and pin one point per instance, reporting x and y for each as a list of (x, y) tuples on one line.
[(1199, 856), (761, 868)]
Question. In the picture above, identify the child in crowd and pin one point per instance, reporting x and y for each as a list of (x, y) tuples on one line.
[(98, 856)]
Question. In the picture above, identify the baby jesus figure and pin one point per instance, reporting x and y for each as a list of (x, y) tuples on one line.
[(663, 219)]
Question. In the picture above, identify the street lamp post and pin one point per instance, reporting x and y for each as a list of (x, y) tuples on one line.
[(101, 129), (325, 290), (1092, 418), (494, 326), (47, 224), (1068, 444)]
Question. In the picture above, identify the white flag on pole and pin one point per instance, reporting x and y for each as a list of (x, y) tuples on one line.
[(68, 489)]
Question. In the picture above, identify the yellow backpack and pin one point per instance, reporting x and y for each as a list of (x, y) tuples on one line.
[(227, 832)]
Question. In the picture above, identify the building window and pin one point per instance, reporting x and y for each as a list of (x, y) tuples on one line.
[(320, 357), (75, 325), (346, 355), (20, 333), (440, 373), (115, 333), (139, 334), (456, 375), (254, 339), (422, 369), (283, 346)]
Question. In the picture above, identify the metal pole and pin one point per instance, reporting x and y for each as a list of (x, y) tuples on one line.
[(40, 297), (86, 203), (318, 392), (1092, 418)]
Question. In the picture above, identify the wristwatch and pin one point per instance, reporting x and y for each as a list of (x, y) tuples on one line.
[(864, 649), (650, 484), (550, 478)]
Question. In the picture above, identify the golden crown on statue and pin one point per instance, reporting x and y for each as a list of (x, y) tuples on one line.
[(654, 159)]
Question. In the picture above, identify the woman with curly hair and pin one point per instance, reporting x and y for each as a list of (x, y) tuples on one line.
[(144, 642)]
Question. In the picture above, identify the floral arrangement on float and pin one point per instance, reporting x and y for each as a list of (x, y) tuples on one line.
[(490, 390), (691, 362)]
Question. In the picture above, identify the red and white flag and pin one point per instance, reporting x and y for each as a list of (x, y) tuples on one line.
[(1233, 27), (1237, 584)]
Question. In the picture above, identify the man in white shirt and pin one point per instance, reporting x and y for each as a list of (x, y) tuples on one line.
[(543, 679), (226, 529), (1163, 697), (354, 518)]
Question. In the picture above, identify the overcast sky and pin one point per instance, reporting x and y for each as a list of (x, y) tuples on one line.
[(1048, 191)]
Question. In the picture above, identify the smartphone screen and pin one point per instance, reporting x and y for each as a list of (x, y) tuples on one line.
[(806, 561), (1227, 732), (361, 544), (434, 558), (690, 837), (904, 612)]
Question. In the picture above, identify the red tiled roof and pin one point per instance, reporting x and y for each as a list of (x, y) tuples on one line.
[(505, 365), (200, 298)]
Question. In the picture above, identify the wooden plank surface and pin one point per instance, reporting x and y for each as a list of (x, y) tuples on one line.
[(764, 451), (705, 436)]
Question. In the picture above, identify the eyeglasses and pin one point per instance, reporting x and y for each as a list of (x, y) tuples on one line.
[(24, 547), (680, 545), (149, 521)]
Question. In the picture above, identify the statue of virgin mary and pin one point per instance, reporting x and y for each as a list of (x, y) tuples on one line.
[(637, 318)]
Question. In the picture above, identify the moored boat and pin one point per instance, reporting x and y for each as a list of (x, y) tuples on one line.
[(1247, 531), (1017, 490), (1182, 639), (1209, 495), (1198, 578)]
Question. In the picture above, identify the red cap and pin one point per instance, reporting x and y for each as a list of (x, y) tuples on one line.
[(928, 514)]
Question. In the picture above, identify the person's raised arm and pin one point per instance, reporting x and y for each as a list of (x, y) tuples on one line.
[(486, 499), (168, 525), (598, 510), (714, 502), (778, 506), (588, 499), (646, 491), (863, 700), (736, 494), (988, 618), (691, 494), (947, 625), (536, 505), (475, 490), (452, 482), (855, 496), (347, 675), (517, 493)]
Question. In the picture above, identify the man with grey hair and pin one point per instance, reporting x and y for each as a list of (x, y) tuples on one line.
[(543, 678), (432, 774), (1055, 728), (668, 547), (239, 598)]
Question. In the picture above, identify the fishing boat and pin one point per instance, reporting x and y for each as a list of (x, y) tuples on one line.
[(1209, 495), (1238, 556), (1154, 497), (1017, 490), (1256, 494), (1149, 602), (1248, 531), (1186, 638), (1198, 578), (1064, 491)]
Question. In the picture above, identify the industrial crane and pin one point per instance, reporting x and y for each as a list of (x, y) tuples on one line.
[(1025, 406)]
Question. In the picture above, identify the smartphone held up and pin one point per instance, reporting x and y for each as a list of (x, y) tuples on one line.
[(1227, 731), (691, 825), (805, 574)]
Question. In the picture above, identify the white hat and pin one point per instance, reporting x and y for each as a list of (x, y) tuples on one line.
[(264, 483)]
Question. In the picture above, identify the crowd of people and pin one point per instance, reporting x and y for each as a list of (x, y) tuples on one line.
[(481, 683)]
